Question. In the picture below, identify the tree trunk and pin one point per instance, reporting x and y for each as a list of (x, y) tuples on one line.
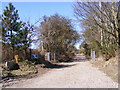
[(26, 57), (30, 53), (118, 16), (13, 51)]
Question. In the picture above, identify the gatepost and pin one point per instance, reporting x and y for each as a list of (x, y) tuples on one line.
[(47, 56), (93, 56), (54, 57)]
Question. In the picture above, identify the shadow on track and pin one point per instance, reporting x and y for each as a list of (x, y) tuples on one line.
[(60, 66)]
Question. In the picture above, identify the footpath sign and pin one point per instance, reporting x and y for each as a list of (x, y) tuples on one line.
[(16, 58)]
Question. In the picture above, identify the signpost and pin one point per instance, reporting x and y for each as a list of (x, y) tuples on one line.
[(16, 58)]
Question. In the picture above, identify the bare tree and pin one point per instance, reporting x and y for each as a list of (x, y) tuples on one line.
[(118, 16), (99, 22), (58, 35)]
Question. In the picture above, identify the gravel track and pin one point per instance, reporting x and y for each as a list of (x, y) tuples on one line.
[(74, 75)]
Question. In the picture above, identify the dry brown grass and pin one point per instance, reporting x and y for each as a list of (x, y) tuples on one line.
[(109, 67)]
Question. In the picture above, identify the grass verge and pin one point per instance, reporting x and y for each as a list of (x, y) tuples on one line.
[(109, 67)]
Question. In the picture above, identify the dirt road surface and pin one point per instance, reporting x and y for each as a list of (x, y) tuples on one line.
[(79, 74)]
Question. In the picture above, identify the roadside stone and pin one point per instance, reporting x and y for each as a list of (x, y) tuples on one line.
[(12, 66)]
